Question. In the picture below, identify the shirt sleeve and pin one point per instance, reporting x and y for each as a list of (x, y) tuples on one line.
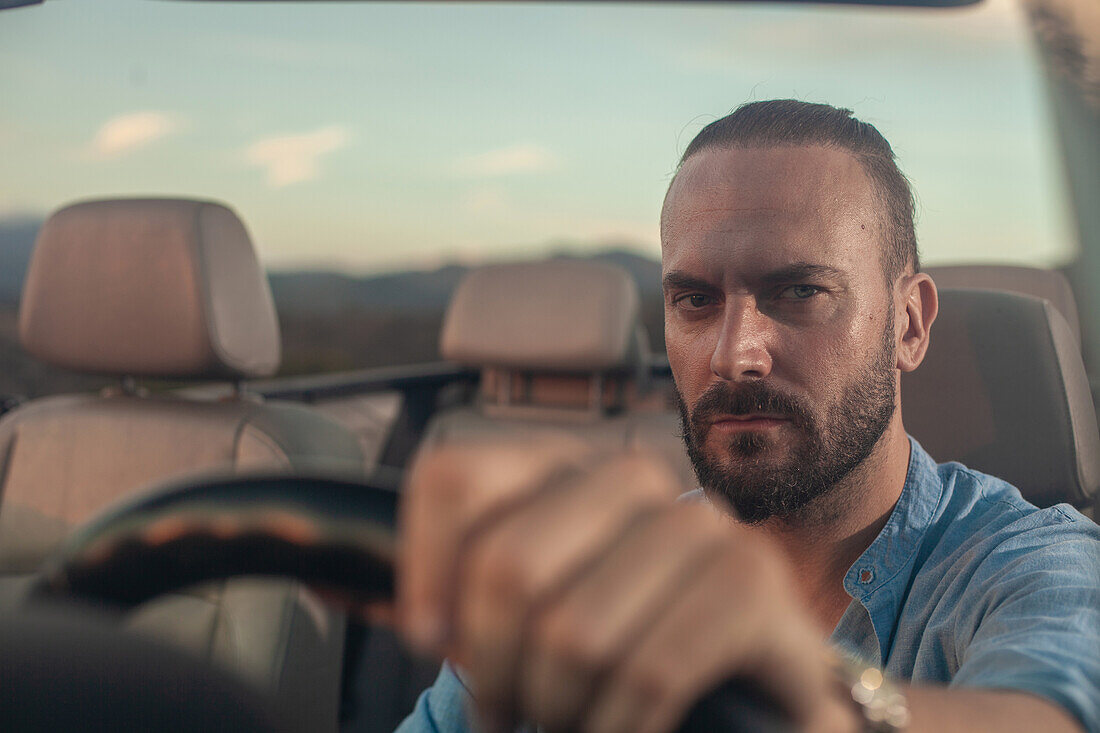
[(1031, 620), (441, 708)]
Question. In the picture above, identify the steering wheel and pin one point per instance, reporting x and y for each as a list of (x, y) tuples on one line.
[(335, 534)]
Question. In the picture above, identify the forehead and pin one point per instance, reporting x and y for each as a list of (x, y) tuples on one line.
[(771, 206)]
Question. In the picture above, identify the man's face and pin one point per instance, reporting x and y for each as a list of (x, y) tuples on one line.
[(778, 322)]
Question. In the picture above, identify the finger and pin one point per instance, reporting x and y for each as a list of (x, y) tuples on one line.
[(733, 621), (529, 556), (447, 491), (582, 634)]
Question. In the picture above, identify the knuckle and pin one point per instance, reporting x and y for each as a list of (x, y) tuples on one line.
[(500, 569), (570, 643)]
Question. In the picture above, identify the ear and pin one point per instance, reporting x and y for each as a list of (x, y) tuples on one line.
[(917, 303)]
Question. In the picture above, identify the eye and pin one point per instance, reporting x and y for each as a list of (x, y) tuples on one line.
[(695, 300), (799, 292)]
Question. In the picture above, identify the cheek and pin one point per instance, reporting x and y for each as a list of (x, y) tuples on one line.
[(814, 360), (689, 356), (824, 361)]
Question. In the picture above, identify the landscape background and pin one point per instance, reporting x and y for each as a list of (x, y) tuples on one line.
[(330, 321)]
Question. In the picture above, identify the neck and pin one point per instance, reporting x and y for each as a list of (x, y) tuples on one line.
[(823, 542)]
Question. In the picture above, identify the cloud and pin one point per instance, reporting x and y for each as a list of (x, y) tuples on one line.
[(130, 131), (517, 158), (293, 158)]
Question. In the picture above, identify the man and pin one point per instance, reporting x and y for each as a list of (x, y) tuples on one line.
[(573, 593)]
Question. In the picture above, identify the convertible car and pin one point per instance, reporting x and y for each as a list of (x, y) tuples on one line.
[(175, 547)]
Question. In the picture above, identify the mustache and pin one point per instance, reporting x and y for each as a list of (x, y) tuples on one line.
[(751, 397)]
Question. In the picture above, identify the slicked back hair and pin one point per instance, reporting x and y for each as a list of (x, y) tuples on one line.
[(790, 122)]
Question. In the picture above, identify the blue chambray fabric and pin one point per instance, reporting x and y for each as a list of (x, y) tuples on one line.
[(966, 585), (442, 708)]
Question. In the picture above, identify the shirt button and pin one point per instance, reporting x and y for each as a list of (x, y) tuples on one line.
[(866, 575)]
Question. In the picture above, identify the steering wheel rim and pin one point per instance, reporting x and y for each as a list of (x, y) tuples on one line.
[(332, 533), (329, 532)]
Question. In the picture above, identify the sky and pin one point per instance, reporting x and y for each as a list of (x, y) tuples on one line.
[(374, 136)]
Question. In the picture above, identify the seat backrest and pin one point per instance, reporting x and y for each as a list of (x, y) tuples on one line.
[(562, 357), (167, 288), (1003, 390), (1049, 285)]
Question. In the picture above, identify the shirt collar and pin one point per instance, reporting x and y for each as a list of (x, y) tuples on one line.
[(880, 577)]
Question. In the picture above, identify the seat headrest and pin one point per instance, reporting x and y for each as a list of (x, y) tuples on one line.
[(1035, 281), (553, 316), (1003, 390), (149, 287)]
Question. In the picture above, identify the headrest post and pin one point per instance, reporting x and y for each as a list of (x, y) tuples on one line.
[(595, 393), (504, 388)]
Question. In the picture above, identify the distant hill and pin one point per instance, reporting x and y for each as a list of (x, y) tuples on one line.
[(646, 270), (320, 293), (17, 235)]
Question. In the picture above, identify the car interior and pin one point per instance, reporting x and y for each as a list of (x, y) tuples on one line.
[(543, 349), (204, 311), (168, 298)]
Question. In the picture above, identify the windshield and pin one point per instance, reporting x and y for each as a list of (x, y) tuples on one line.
[(361, 139)]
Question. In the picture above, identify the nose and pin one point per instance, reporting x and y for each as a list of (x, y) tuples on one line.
[(741, 352)]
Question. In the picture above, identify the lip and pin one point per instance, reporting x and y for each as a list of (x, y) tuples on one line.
[(742, 423)]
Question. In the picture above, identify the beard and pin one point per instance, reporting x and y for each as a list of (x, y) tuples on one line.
[(830, 444)]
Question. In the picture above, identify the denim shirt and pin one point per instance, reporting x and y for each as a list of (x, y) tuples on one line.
[(966, 585)]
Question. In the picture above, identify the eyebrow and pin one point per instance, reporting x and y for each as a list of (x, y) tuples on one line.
[(802, 271), (678, 280)]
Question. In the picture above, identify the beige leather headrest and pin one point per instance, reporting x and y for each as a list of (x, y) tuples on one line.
[(1035, 281), (1003, 390), (559, 315), (149, 287)]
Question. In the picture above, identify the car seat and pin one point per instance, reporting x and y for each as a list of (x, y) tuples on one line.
[(1049, 285), (561, 355), (1003, 389), (167, 288), (561, 352)]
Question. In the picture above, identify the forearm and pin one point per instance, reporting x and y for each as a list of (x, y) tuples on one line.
[(946, 710)]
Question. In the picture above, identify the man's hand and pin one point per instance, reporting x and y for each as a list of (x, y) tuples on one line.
[(578, 595)]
